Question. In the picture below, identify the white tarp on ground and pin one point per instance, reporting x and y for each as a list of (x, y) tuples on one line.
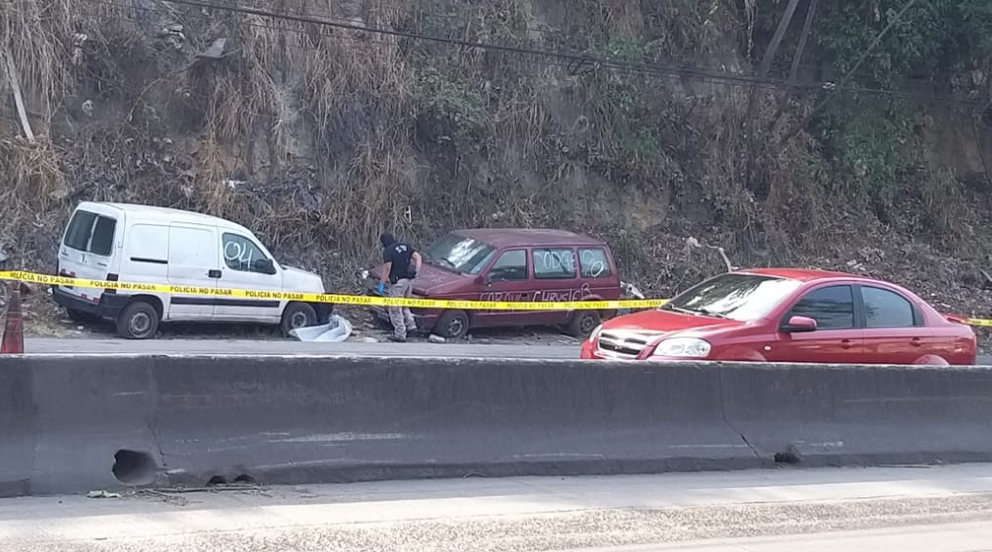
[(338, 330)]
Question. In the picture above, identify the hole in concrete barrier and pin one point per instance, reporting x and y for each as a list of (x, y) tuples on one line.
[(787, 458), (134, 467), (244, 479), (217, 480)]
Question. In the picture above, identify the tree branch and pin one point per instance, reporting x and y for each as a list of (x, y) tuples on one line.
[(850, 74), (796, 60), (15, 84)]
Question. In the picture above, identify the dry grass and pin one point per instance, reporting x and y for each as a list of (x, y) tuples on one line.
[(320, 138), (33, 33)]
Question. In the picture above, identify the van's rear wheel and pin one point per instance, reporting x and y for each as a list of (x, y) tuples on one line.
[(296, 316), (453, 324), (139, 320), (583, 323)]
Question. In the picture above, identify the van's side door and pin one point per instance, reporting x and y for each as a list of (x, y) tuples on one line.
[(507, 280), (243, 268), (193, 262)]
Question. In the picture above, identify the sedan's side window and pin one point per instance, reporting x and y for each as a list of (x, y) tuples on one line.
[(831, 307), (885, 309)]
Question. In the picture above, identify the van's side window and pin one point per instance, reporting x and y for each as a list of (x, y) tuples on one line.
[(554, 264), (241, 254), (510, 267), (594, 263)]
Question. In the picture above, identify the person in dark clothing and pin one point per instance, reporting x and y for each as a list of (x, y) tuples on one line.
[(402, 265)]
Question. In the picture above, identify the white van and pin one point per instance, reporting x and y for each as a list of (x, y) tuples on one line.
[(141, 244)]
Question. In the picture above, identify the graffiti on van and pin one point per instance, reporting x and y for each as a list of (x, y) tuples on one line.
[(550, 296)]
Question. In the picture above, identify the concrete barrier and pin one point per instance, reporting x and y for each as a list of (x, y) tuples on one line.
[(186, 420)]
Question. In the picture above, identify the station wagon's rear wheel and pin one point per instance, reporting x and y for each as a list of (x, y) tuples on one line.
[(139, 320), (453, 324), (583, 323), (296, 316)]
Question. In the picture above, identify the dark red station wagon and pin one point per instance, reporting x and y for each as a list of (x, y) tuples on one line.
[(512, 265), (786, 315)]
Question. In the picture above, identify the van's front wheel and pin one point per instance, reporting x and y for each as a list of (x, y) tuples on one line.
[(139, 320), (453, 324), (296, 316)]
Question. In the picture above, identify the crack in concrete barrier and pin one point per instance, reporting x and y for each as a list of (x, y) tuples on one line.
[(723, 412)]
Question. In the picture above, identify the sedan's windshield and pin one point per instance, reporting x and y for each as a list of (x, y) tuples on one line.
[(741, 297), (460, 253)]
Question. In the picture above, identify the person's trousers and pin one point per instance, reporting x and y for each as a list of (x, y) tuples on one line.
[(401, 317)]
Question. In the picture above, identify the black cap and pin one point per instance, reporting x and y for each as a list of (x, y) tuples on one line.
[(387, 239)]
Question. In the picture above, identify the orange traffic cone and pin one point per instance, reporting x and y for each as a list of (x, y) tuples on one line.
[(13, 332)]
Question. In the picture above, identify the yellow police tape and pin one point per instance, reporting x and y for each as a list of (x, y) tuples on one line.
[(45, 279), (363, 300)]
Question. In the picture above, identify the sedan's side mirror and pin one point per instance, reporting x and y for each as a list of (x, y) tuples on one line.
[(799, 324)]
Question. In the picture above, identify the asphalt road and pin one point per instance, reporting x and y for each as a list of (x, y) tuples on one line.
[(913, 509), (286, 347), (281, 347)]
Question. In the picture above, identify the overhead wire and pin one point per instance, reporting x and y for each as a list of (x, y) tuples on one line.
[(569, 60)]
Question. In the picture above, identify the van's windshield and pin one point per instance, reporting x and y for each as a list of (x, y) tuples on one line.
[(455, 252), (91, 233)]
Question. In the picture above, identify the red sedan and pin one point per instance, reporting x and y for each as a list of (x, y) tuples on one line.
[(784, 315)]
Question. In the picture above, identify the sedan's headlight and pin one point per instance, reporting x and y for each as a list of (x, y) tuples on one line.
[(683, 347)]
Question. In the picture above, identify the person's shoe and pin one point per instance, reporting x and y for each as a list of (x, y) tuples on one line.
[(397, 339)]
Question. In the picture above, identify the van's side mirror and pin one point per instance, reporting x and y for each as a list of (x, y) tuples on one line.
[(264, 266), (487, 278), (799, 324)]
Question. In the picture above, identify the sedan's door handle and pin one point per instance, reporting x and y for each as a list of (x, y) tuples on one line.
[(845, 343), (213, 274), (916, 342)]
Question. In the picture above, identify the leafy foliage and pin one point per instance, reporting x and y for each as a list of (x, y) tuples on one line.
[(872, 145), (455, 105)]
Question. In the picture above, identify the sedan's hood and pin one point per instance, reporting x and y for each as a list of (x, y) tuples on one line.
[(657, 323)]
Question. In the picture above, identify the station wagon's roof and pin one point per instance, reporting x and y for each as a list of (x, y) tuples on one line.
[(528, 237)]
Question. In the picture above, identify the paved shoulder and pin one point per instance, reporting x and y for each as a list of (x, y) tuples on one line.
[(941, 509), (218, 346)]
